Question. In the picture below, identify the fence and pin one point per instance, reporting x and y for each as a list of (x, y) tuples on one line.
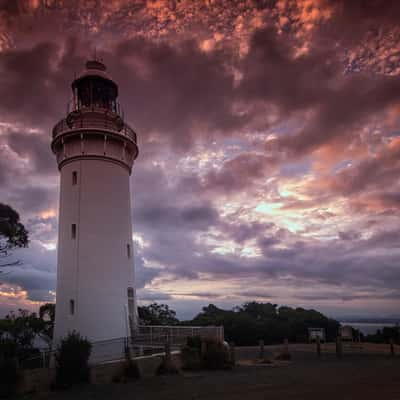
[(348, 347), (175, 335), (146, 340)]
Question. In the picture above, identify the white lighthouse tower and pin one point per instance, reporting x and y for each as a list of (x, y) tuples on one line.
[(95, 151)]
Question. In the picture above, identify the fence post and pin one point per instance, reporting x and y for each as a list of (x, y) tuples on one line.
[(318, 346), (339, 350), (286, 348), (261, 355), (203, 348), (391, 347), (232, 353), (167, 351)]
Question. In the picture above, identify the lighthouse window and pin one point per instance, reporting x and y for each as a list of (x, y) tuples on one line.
[(71, 307), (128, 250), (74, 177), (73, 231)]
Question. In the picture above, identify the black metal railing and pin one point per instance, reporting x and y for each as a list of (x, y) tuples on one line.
[(91, 121), (112, 107)]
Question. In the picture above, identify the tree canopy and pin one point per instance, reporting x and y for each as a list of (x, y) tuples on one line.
[(253, 321), (157, 314), (12, 234)]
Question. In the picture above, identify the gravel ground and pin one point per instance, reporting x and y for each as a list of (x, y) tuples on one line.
[(354, 377)]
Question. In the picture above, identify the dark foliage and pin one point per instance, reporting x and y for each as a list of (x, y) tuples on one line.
[(21, 328), (194, 342), (8, 368), (385, 335), (253, 321), (216, 356), (157, 314), (12, 234), (47, 313), (72, 358), (204, 353), (191, 358)]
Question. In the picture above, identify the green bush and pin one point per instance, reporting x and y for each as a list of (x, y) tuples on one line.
[(9, 375), (72, 358)]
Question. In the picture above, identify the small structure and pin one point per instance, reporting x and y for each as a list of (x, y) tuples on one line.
[(346, 332), (314, 333)]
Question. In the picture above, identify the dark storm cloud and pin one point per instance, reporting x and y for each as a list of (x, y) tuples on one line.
[(394, 295), (149, 295), (35, 147), (177, 95), (239, 173), (36, 282), (143, 275), (314, 81), (31, 199), (378, 172), (191, 217), (184, 92), (44, 229), (242, 232)]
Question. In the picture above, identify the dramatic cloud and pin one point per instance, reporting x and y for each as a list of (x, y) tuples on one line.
[(269, 145)]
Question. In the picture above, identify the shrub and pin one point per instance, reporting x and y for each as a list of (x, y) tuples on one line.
[(9, 375), (72, 358), (194, 342), (215, 356), (130, 369), (191, 358)]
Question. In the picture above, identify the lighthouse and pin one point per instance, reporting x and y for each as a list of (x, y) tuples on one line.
[(95, 150)]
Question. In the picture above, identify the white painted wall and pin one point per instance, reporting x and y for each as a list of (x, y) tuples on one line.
[(94, 269)]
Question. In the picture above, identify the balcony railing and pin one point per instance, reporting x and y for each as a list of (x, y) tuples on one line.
[(113, 107), (95, 120)]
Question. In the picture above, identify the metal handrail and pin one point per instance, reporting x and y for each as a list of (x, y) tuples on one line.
[(72, 105), (93, 123)]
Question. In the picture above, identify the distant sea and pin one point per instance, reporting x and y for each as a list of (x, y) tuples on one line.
[(367, 328)]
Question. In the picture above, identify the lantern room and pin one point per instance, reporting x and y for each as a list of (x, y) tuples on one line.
[(94, 89)]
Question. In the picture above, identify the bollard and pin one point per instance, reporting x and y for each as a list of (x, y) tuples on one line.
[(318, 341), (167, 365), (232, 357), (261, 355), (167, 349), (286, 347), (339, 349), (391, 347), (203, 349)]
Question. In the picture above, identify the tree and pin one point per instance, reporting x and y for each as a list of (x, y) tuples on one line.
[(157, 314), (47, 313), (12, 235), (21, 328)]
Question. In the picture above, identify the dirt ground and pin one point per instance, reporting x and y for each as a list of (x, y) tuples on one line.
[(354, 377)]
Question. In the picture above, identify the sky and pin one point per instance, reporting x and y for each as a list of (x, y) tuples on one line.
[(269, 139)]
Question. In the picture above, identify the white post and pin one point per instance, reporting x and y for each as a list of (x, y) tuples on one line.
[(126, 320)]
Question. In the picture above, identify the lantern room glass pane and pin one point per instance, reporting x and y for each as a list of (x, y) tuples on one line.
[(97, 92)]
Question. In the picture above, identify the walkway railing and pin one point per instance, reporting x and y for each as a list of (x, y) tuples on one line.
[(95, 118), (175, 335), (146, 340)]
